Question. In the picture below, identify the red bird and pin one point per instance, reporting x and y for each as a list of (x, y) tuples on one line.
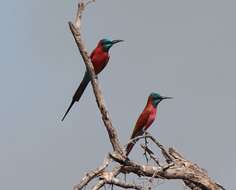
[(146, 118), (99, 58)]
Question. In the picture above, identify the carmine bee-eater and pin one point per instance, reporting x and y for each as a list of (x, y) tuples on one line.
[(146, 118), (99, 58)]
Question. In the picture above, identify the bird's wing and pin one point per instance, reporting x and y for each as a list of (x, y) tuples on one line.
[(139, 126), (141, 123)]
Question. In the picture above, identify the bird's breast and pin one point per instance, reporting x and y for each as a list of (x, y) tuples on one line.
[(151, 117), (99, 60)]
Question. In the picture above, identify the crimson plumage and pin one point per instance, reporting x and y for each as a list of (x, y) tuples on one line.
[(99, 58), (146, 118)]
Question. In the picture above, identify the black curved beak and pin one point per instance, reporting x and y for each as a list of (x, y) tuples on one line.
[(116, 41), (166, 97)]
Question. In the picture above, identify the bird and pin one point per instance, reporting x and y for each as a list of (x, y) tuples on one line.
[(99, 58), (146, 118)]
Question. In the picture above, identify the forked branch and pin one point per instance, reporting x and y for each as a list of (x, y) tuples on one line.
[(175, 166)]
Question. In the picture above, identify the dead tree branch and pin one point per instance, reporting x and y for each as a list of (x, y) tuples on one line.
[(175, 167), (92, 174), (75, 29), (178, 169), (109, 179)]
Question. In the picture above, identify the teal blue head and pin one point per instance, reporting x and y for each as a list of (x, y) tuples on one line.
[(157, 98), (107, 44)]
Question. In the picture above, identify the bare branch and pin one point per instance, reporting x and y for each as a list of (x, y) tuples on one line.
[(99, 185), (88, 2), (192, 175), (178, 169), (75, 29), (92, 174), (220, 186), (177, 166), (122, 184), (147, 135), (151, 154), (164, 151), (116, 171)]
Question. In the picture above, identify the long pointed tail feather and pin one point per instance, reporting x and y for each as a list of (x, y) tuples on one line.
[(129, 148), (135, 133), (78, 93), (68, 109)]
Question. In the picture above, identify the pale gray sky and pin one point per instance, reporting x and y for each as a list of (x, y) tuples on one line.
[(185, 49)]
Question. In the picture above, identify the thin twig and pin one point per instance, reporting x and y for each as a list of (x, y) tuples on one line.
[(122, 184), (147, 135), (151, 154), (88, 2), (165, 153)]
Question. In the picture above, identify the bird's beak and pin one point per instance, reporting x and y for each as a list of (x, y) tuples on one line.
[(116, 41), (166, 97)]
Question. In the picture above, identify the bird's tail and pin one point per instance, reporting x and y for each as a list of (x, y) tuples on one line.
[(129, 148), (78, 93), (135, 134)]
